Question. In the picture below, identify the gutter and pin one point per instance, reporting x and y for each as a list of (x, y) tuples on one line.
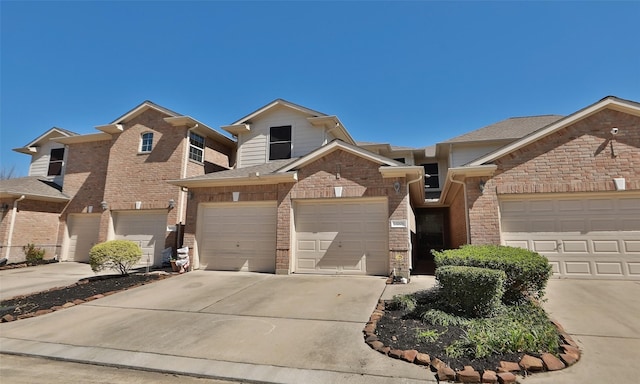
[(12, 224)]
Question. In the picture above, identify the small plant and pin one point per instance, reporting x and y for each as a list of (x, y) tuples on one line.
[(428, 335), (438, 317), (119, 255), (33, 254), (403, 303)]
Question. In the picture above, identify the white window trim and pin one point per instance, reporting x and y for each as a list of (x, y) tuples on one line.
[(204, 145), (140, 148)]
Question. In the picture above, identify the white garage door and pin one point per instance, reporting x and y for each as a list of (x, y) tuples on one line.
[(237, 236), (83, 234), (347, 237), (147, 229), (582, 236)]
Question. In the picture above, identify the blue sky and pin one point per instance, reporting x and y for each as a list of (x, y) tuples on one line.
[(408, 73)]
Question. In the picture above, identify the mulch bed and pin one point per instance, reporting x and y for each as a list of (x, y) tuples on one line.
[(84, 290), (398, 331)]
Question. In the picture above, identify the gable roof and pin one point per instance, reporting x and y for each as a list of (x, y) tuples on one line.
[(52, 133), (32, 187), (275, 103), (609, 102), (141, 108), (334, 146), (512, 128), (315, 118), (257, 174)]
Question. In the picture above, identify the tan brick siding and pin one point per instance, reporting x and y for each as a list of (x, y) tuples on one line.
[(36, 222), (457, 220), (358, 177), (578, 158)]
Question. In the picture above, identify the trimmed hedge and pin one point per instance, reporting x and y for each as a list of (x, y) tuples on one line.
[(471, 291), (119, 255), (527, 272)]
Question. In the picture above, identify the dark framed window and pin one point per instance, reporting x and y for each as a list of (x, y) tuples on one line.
[(196, 147), (399, 159), (146, 142), (280, 142), (55, 162), (433, 181)]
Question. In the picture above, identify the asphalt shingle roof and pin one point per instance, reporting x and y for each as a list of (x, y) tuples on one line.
[(32, 186), (263, 169), (512, 128)]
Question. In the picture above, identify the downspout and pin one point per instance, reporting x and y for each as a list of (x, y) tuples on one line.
[(410, 255), (12, 224), (466, 206)]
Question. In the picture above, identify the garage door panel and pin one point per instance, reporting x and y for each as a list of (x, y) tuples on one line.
[(83, 235), (147, 229), (238, 237), (610, 268), (634, 269), (341, 237), (582, 237)]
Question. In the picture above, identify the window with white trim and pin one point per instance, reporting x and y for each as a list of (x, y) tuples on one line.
[(280, 142), (56, 159), (146, 142), (196, 147)]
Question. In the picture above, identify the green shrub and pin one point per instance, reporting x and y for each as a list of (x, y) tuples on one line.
[(33, 254), (527, 272), (119, 255), (471, 291), (403, 303)]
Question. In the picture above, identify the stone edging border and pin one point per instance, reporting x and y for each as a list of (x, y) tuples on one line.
[(504, 374), (8, 317)]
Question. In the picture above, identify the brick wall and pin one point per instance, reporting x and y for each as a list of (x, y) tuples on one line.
[(457, 220), (578, 158), (36, 222)]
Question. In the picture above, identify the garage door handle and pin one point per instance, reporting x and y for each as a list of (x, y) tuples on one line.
[(238, 244)]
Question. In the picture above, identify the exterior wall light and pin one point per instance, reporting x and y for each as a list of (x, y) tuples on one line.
[(481, 185), (104, 205), (172, 203)]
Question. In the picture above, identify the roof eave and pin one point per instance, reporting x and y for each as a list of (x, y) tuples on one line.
[(110, 128), (83, 138), (199, 127), (34, 196), (276, 178)]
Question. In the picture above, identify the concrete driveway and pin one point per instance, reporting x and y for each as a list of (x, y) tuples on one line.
[(241, 326), (299, 329), (23, 281)]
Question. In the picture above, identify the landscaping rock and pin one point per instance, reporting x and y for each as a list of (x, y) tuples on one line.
[(370, 328), (410, 355), (436, 364), (469, 375), (446, 374), (506, 378), (385, 350), (531, 364), (509, 366), (489, 376), (43, 312), (396, 353), (6, 318), (568, 359), (422, 359), (377, 345), (370, 338), (78, 301), (551, 362), (573, 351), (67, 305)]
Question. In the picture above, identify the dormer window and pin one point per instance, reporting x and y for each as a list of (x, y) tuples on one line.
[(196, 147), (55, 162), (146, 142), (280, 142)]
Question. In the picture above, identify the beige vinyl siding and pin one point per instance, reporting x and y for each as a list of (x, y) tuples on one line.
[(40, 160), (463, 154), (253, 147)]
